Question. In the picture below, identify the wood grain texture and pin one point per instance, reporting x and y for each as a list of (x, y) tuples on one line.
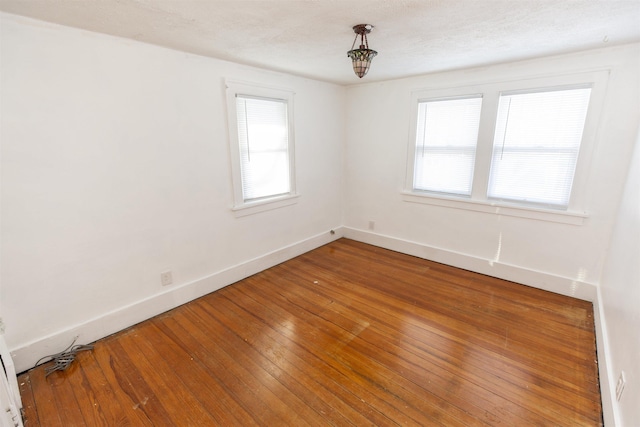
[(346, 335)]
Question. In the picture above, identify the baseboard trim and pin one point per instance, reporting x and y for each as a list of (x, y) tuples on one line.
[(25, 356), (537, 279), (607, 377)]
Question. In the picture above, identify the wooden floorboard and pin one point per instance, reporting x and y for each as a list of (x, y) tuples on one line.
[(346, 335)]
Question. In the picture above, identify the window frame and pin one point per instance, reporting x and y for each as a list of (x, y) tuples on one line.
[(575, 151), (470, 149), (242, 207), (479, 201)]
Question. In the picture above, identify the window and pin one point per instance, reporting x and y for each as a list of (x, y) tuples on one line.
[(536, 145), (260, 128), (263, 138), (446, 137), (518, 147)]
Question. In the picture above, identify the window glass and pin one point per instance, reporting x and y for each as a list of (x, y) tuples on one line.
[(262, 148), (536, 145), (446, 138), (263, 139)]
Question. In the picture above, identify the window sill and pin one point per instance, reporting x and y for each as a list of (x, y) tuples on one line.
[(251, 208), (563, 217)]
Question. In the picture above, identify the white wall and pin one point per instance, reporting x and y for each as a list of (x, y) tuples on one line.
[(115, 167), (564, 258), (620, 298)]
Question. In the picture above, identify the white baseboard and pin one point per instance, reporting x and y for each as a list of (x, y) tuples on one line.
[(607, 378), (537, 279), (27, 355), (104, 325)]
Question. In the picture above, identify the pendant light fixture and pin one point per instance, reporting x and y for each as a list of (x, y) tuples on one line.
[(361, 57)]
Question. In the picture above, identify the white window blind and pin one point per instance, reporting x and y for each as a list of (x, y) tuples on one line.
[(446, 139), (536, 145), (264, 146)]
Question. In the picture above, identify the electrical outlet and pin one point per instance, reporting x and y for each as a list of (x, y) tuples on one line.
[(620, 386), (372, 225), (166, 278)]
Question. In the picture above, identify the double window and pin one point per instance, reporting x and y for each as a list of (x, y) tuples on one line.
[(514, 144), (261, 135)]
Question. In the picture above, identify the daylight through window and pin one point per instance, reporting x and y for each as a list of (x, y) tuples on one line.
[(515, 147), (536, 146), (446, 138), (264, 147), (261, 140)]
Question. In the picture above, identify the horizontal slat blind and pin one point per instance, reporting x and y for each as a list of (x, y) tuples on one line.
[(446, 138), (536, 145), (263, 139)]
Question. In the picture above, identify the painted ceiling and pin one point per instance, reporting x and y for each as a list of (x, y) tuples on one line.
[(311, 37)]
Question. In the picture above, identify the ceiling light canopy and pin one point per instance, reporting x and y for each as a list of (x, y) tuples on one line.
[(361, 57)]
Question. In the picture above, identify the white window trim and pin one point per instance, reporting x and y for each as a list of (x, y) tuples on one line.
[(497, 208), (240, 206), (575, 213), (250, 208)]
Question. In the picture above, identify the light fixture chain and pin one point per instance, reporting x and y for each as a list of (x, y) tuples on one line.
[(354, 41)]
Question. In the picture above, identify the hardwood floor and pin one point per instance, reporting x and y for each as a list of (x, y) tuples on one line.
[(348, 334)]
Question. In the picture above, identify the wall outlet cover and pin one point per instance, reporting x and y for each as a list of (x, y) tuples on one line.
[(166, 278)]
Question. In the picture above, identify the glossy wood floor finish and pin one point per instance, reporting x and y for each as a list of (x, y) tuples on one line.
[(345, 335)]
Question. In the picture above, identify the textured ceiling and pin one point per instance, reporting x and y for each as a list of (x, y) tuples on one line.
[(311, 37)]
